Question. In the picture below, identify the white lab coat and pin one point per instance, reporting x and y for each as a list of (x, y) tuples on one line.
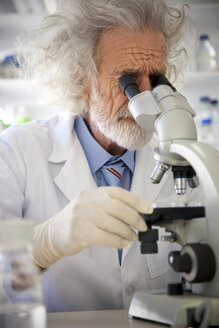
[(42, 168)]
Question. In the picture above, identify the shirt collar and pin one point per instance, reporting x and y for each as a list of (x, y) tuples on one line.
[(91, 146)]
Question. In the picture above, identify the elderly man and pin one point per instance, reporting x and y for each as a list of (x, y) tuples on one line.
[(60, 171)]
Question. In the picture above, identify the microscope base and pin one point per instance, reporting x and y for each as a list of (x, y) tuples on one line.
[(176, 311)]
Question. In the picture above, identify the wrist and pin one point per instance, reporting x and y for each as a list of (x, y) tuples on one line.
[(44, 251)]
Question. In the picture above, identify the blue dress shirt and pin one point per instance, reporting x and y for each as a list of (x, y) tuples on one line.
[(97, 156)]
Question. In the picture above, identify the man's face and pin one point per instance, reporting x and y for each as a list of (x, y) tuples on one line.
[(121, 51)]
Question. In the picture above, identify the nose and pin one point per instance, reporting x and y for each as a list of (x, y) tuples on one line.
[(143, 82)]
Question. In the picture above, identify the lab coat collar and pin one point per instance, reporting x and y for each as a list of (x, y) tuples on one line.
[(63, 138), (74, 176)]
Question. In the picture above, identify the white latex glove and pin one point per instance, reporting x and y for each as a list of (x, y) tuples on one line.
[(102, 216)]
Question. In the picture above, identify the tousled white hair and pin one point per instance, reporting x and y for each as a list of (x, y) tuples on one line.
[(60, 53)]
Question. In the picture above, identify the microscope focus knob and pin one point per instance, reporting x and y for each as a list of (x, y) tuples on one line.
[(196, 262), (180, 263)]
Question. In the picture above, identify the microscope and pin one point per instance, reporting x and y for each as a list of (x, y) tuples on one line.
[(195, 228)]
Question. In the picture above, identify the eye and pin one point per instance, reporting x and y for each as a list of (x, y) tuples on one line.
[(135, 75)]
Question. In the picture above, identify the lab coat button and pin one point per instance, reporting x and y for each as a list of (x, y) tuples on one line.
[(130, 289)]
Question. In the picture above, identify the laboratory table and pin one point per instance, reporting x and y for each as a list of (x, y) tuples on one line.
[(97, 319)]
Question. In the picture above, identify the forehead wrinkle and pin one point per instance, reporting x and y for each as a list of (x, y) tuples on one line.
[(139, 48), (148, 58), (139, 53), (140, 66), (145, 52)]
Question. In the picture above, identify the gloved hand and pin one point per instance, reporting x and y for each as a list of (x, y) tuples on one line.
[(102, 216)]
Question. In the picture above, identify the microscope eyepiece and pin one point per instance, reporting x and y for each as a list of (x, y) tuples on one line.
[(128, 86), (160, 79)]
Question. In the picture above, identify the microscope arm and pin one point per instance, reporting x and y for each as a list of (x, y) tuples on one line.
[(205, 159)]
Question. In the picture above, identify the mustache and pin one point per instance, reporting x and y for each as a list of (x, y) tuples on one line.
[(123, 112)]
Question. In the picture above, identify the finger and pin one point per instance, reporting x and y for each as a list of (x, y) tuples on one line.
[(129, 198), (113, 225), (105, 238), (125, 213)]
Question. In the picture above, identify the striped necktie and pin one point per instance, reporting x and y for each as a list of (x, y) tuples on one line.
[(112, 172)]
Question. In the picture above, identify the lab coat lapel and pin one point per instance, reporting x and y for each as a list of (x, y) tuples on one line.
[(75, 174)]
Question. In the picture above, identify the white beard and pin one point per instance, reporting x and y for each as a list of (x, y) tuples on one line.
[(124, 134)]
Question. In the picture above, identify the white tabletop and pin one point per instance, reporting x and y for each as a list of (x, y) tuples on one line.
[(96, 319)]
